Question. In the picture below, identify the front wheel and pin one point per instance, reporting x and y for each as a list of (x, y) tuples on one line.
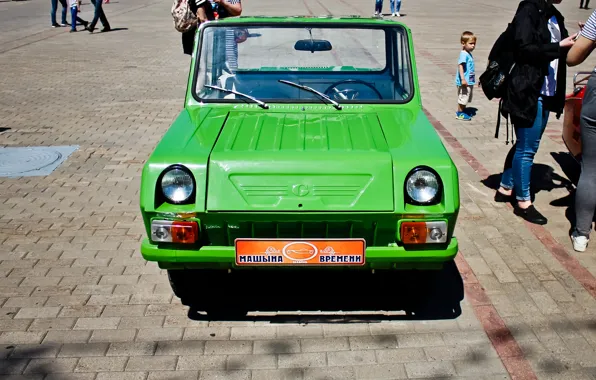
[(180, 283), (211, 291)]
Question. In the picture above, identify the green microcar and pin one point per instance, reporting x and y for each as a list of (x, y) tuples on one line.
[(303, 146)]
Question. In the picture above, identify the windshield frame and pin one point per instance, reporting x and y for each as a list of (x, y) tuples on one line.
[(389, 50)]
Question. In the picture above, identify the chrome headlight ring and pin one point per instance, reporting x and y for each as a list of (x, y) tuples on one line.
[(177, 185), (423, 186)]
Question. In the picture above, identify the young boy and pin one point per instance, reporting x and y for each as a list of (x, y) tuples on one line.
[(465, 79), (75, 7)]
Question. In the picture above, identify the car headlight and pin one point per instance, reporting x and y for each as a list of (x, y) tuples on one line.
[(423, 186), (177, 185)]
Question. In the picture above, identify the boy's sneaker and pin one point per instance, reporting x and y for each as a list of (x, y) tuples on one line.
[(462, 116), (64, 24), (580, 243), (396, 14), (56, 25)]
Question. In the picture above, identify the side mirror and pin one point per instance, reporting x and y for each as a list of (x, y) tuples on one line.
[(313, 45)]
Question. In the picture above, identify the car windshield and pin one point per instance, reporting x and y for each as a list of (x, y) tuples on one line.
[(349, 64)]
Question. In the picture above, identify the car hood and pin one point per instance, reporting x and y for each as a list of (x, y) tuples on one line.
[(300, 162)]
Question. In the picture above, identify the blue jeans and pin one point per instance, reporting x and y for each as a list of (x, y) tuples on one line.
[(528, 139), (55, 9), (379, 6), (395, 6), (74, 15), (98, 15)]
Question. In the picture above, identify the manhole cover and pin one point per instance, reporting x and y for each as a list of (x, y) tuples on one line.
[(32, 161)]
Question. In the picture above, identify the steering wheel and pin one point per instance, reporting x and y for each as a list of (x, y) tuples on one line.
[(349, 93)]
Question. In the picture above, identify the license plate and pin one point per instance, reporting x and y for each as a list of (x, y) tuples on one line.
[(279, 252)]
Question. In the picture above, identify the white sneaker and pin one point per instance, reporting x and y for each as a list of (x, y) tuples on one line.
[(393, 14), (397, 14), (376, 14), (580, 243)]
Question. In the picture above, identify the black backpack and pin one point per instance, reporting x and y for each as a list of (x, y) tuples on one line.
[(500, 64), (494, 80)]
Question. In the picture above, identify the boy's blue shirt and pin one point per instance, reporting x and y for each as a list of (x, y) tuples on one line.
[(467, 60)]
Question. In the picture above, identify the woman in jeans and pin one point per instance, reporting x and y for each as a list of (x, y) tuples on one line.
[(585, 196), (536, 88)]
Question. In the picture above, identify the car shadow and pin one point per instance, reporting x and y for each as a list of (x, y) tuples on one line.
[(346, 296)]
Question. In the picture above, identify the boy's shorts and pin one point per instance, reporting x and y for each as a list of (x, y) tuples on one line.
[(465, 95)]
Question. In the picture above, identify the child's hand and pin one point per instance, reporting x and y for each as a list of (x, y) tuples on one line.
[(464, 83)]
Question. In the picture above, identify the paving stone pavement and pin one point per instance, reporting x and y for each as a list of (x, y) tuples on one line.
[(77, 301)]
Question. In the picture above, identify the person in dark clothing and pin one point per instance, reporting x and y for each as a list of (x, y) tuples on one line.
[(581, 4), (536, 87), (204, 12), (97, 16), (53, 13)]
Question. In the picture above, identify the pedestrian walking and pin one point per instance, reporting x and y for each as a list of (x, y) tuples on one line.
[(378, 8), (395, 7), (535, 88), (75, 8), (585, 195), (465, 78), (53, 13), (581, 4), (203, 11), (97, 16)]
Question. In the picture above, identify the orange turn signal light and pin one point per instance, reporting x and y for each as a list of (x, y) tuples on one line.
[(413, 232), (184, 232)]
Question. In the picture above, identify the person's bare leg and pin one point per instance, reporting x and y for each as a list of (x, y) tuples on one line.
[(505, 191)]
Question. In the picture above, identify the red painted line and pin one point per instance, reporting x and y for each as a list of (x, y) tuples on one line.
[(570, 263), (498, 333), (455, 144), (308, 9)]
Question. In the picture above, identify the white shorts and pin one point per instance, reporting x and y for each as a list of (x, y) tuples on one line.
[(465, 95)]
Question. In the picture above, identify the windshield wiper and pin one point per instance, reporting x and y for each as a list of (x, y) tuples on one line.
[(309, 89), (259, 102)]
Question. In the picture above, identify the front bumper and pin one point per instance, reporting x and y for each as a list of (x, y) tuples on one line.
[(428, 256)]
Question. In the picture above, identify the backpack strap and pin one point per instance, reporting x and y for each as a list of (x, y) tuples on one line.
[(507, 125), (498, 119), (512, 131)]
